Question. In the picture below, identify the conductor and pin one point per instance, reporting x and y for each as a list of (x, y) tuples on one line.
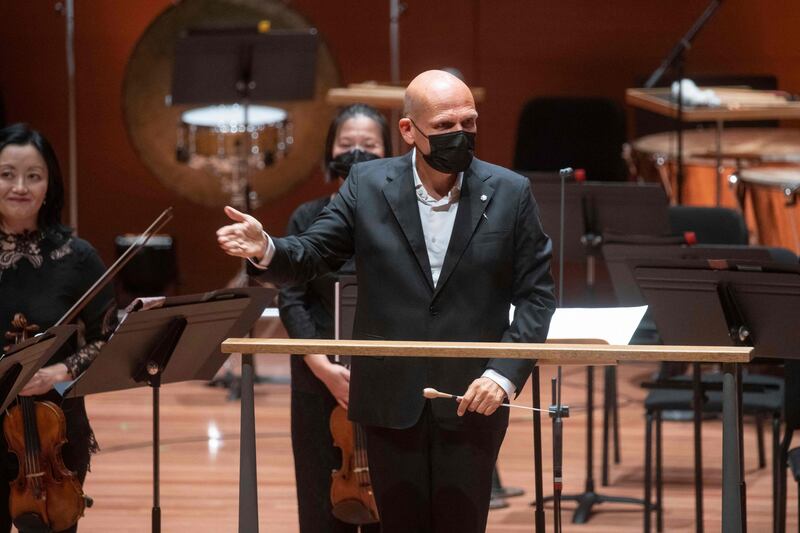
[(444, 243)]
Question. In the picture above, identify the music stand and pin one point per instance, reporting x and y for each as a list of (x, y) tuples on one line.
[(242, 65), (727, 303), (623, 258), (178, 341), (22, 361), (230, 65), (597, 208)]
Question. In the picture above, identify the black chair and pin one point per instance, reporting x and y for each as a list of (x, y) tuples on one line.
[(586, 133), (794, 467), (151, 272), (787, 457), (767, 403), (711, 225)]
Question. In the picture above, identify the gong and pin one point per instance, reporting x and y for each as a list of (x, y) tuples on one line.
[(154, 126)]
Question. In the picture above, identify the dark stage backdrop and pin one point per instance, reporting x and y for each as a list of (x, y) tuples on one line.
[(516, 49)]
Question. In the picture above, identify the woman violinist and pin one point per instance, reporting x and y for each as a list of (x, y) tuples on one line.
[(44, 270), (358, 133)]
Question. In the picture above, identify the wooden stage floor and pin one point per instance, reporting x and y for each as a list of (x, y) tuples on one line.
[(199, 462)]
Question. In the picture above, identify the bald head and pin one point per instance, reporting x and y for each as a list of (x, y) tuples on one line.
[(436, 102), (435, 89)]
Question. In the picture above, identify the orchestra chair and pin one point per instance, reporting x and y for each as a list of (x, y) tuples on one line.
[(794, 466), (582, 133), (789, 458), (152, 272), (766, 404), (711, 225)]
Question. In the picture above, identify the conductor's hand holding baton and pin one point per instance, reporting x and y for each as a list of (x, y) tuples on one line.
[(244, 238), (483, 396)]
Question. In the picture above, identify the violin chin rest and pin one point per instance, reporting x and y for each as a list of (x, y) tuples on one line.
[(31, 523)]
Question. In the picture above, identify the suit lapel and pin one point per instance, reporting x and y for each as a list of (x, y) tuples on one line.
[(402, 198), (476, 194)]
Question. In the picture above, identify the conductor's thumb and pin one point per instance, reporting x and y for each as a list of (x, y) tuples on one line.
[(233, 214)]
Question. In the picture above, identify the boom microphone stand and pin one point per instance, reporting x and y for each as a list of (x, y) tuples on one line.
[(677, 59)]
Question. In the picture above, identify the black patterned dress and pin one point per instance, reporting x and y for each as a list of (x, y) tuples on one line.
[(42, 274)]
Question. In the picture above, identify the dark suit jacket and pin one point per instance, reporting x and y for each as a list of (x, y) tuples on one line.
[(498, 255)]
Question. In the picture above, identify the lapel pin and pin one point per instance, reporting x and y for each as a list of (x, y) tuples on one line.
[(483, 197)]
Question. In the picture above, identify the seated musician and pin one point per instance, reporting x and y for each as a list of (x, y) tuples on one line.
[(44, 270), (357, 133)]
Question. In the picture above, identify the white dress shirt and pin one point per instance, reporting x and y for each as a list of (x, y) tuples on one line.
[(438, 218)]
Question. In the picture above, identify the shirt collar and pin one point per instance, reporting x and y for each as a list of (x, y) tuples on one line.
[(422, 195)]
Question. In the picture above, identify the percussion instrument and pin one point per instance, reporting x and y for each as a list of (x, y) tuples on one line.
[(215, 137), (151, 123), (772, 192), (653, 158)]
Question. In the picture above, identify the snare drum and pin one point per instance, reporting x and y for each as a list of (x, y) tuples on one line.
[(214, 137), (772, 192)]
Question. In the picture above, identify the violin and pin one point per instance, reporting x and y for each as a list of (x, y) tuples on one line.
[(46, 495), (351, 489)]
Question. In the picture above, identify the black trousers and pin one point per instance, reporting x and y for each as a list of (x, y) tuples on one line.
[(315, 457), (432, 480)]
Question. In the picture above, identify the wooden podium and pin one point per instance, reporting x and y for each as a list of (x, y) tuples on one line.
[(550, 354)]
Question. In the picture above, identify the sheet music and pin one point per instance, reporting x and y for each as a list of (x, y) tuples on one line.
[(615, 325)]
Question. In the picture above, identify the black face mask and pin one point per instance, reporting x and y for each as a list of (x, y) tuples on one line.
[(339, 167), (450, 152)]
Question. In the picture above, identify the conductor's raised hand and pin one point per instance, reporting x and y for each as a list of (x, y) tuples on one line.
[(483, 396), (244, 238)]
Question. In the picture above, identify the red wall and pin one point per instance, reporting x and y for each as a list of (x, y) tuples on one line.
[(516, 49)]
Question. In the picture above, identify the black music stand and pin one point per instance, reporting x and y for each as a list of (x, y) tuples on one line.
[(622, 258), (595, 208), (177, 341), (230, 65), (22, 361), (727, 303), (242, 65)]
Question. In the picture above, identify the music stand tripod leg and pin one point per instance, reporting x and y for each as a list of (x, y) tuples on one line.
[(150, 371)]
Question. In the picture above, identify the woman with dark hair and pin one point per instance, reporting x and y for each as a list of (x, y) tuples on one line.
[(358, 133), (44, 270)]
